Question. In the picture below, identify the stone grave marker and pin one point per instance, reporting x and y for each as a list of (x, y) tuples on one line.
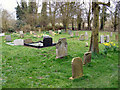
[(8, 37), (76, 33), (71, 35), (31, 32), (107, 38), (50, 32), (28, 41), (82, 37), (111, 34), (86, 44), (18, 42), (86, 36), (102, 39), (53, 34), (87, 58), (47, 41), (77, 68), (21, 32), (61, 48)]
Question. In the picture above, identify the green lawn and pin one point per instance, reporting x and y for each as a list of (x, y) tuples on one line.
[(26, 67)]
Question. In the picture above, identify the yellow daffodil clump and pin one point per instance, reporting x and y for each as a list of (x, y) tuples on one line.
[(109, 44)]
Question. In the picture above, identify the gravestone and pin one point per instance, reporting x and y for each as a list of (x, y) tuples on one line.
[(28, 41), (69, 32), (18, 42), (50, 32), (59, 31), (87, 58), (102, 39), (21, 32), (86, 44), (107, 38), (40, 30), (2, 34), (111, 34), (31, 32), (82, 37), (21, 35), (47, 41), (86, 36), (77, 68), (76, 33), (71, 35), (61, 48), (8, 37)]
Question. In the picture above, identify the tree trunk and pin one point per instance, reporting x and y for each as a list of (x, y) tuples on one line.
[(72, 23)]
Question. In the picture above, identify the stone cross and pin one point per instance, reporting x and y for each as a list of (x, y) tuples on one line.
[(82, 37), (87, 58), (61, 48), (28, 41), (102, 39), (18, 42), (77, 68), (8, 37)]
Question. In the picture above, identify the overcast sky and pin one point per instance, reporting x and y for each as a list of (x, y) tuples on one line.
[(10, 5)]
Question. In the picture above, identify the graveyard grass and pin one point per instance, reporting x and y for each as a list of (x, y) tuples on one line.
[(26, 67)]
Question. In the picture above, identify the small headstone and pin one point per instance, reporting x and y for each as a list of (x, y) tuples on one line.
[(86, 44), (76, 33), (28, 41), (86, 36), (21, 35), (102, 39), (87, 58), (2, 34), (82, 37), (21, 32), (18, 42), (47, 41), (31, 32), (77, 68), (8, 37), (107, 38), (50, 32), (61, 48), (111, 34)]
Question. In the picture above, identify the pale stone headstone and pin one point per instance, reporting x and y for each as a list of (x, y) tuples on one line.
[(18, 42), (2, 34), (21, 35), (8, 37), (82, 37), (31, 32), (21, 32), (111, 34), (61, 48), (102, 39), (107, 38), (28, 41), (87, 58), (86, 36), (77, 68), (50, 32), (76, 33), (86, 44), (40, 30)]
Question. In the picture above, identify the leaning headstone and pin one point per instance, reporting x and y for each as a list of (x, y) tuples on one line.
[(111, 34), (86, 36), (77, 68), (61, 48), (21, 32), (82, 37), (87, 58), (18, 42), (76, 33), (8, 37), (28, 41), (102, 39), (107, 38), (21, 35), (2, 34)]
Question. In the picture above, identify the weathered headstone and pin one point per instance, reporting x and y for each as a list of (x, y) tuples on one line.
[(28, 41), (76, 33), (82, 37), (77, 68), (87, 58), (61, 48), (21, 35), (21, 32), (111, 34), (47, 41), (86, 36), (18, 42), (102, 39), (86, 44), (107, 38), (8, 37)]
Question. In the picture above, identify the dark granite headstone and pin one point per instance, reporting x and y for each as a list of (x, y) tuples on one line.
[(47, 41)]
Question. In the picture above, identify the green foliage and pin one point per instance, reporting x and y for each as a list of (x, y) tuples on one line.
[(26, 67)]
